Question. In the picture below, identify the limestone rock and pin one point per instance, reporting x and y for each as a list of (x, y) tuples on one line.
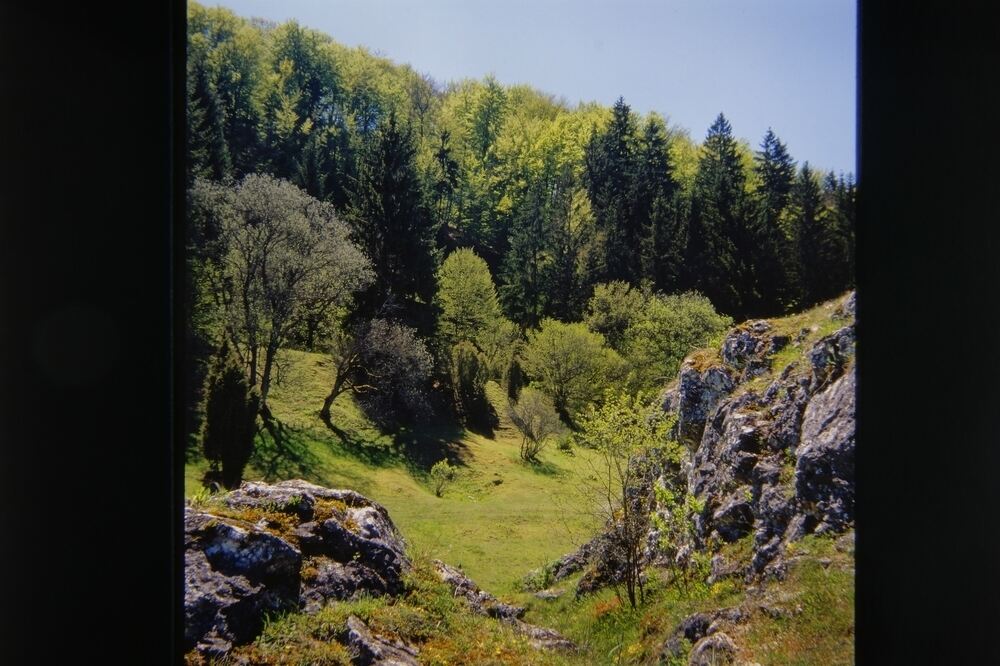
[(698, 393), (480, 601), (824, 471), (484, 603), (232, 576), (342, 545), (713, 650), (367, 649)]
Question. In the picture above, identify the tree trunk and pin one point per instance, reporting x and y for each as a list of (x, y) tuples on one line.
[(338, 388)]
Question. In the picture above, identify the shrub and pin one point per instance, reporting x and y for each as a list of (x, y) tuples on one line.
[(441, 475), (468, 380), (570, 363), (535, 416)]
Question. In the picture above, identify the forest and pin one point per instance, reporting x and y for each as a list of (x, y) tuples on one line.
[(431, 237)]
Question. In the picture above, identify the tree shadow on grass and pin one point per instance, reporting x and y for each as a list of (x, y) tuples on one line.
[(415, 447), (543, 467), (283, 453)]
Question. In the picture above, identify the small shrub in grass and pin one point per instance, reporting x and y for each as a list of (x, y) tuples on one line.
[(535, 416), (539, 579), (441, 475)]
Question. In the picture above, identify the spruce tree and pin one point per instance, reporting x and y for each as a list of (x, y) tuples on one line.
[(208, 153), (714, 263), (811, 237), (394, 228), (773, 262), (522, 289), (656, 209), (231, 407), (611, 160)]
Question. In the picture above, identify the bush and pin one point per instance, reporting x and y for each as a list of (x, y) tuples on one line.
[(669, 328), (571, 364), (536, 418), (441, 475), (468, 380)]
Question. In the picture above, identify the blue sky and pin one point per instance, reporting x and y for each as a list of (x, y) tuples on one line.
[(785, 64)]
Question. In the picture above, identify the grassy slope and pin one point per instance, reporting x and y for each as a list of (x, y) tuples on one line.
[(495, 531), (498, 532)]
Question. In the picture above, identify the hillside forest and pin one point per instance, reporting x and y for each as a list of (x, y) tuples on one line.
[(338, 201), (459, 297)]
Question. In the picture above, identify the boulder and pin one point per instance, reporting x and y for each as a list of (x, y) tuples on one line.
[(713, 650), (694, 628), (233, 575), (327, 580), (339, 545)]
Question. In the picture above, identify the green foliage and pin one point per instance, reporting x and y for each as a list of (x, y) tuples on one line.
[(441, 474), (535, 417), (714, 264), (468, 380), (674, 521), (664, 332), (279, 258), (571, 364), (467, 298), (391, 223), (625, 432), (614, 307), (230, 424)]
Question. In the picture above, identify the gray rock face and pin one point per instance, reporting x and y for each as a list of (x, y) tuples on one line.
[(236, 571), (748, 348), (780, 464), (367, 649), (824, 469), (232, 576), (698, 393), (713, 650)]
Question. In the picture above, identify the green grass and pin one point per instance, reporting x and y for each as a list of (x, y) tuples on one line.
[(496, 532), (501, 518)]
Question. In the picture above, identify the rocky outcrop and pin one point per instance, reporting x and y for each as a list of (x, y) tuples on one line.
[(777, 463), (233, 575), (288, 546), (368, 649), (698, 393), (703, 631), (480, 601), (484, 603)]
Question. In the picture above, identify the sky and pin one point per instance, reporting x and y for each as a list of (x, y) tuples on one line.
[(785, 64)]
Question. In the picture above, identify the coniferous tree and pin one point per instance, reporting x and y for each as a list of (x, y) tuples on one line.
[(393, 227), (811, 236), (523, 290), (658, 210), (207, 149), (776, 288), (231, 407), (611, 160), (714, 265)]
